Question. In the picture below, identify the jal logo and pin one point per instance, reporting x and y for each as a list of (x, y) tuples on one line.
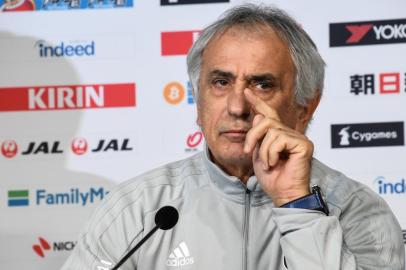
[(113, 145), (178, 42), (193, 141), (368, 32), (186, 2), (9, 148), (67, 97), (79, 146), (42, 247), (65, 49), (174, 93), (386, 187), (44, 147), (367, 134)]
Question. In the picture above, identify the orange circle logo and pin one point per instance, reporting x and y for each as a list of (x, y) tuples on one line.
[(174, 93)]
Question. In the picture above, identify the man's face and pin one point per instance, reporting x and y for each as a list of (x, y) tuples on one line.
[(233, 61)]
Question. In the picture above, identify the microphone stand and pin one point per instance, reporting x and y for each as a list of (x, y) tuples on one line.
[(135, 248)]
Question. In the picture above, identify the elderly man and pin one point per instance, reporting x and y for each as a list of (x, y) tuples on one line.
[(252, 199)]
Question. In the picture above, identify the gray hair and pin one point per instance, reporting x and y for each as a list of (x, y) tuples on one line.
[(309, 66)]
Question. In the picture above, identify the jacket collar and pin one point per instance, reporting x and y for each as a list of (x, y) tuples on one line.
[(232, 186)]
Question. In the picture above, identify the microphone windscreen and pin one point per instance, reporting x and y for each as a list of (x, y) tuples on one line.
[(166, 217)]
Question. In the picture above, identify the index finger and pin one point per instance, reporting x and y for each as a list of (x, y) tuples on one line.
[(260, 106)]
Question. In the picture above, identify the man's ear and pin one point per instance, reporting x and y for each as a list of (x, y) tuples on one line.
[(306, 112)]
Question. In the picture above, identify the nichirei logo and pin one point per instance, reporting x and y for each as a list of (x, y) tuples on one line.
[(65, 49), (69, 97), (390, 187), (45, 197), (42, 246), (174, 93), (368, 32), (367, 134), (186, 2), (177, 42)]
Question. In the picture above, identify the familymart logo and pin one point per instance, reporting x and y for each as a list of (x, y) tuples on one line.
[(18, 197), (42, 197)]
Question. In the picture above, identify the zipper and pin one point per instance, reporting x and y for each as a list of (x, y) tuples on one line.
[(246, 225)]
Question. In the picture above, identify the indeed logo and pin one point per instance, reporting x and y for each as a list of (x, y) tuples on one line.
[(386, 187), (65, 49)]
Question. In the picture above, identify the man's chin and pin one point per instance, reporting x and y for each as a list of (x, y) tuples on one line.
[(236, 157)]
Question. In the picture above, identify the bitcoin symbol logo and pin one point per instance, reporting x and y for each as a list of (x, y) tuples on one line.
[(174, 93)]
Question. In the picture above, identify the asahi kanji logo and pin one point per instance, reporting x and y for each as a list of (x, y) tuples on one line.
[(381, 83), (367, 33)]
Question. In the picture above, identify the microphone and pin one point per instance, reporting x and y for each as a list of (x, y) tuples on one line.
[(165, 219)]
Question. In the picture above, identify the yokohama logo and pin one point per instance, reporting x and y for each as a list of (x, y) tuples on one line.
[(368, 33), (67, 97)]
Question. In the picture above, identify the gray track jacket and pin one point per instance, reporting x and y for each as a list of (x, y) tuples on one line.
[(226, 225)]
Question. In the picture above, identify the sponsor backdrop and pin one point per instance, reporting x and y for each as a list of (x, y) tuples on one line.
[(94, 92)]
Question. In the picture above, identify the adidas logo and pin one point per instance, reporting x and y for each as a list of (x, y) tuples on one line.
[(180, 256)]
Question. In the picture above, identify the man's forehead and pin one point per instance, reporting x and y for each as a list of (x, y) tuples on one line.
[(260, 39)]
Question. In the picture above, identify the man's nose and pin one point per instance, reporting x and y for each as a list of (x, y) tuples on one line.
[(237, 104)]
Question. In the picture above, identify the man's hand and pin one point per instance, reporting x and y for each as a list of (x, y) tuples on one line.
[(281, 156)]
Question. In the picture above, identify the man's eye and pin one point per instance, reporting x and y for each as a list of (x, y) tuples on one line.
[(220, 83), (263, 86)]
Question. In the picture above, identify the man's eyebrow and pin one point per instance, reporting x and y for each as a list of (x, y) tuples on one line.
[(221, 73), (261, 77)]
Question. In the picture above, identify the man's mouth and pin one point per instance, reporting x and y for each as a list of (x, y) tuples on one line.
[(235, 135)]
